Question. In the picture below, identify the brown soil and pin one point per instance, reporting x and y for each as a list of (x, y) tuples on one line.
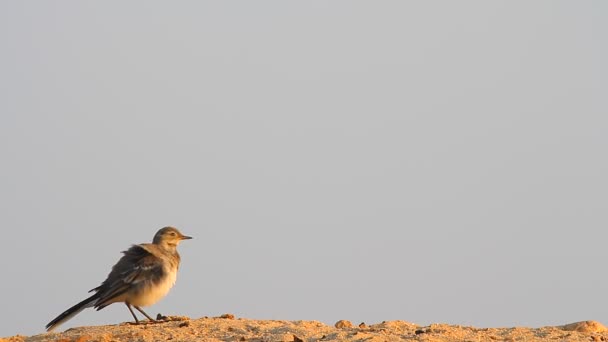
[(227, 328)]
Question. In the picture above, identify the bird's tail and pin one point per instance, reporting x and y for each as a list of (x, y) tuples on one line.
[(71, 312)]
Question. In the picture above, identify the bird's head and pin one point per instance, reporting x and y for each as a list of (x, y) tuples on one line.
[(169, 236)]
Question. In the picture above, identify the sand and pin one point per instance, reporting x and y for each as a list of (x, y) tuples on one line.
[(228, 328)]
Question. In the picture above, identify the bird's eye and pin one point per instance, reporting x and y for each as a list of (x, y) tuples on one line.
[(172, 233)]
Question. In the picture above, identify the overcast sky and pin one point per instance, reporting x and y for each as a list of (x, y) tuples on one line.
[(428, 161)]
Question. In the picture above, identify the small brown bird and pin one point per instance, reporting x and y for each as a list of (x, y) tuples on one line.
[(145, 274)]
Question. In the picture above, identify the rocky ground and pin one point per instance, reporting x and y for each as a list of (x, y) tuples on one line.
[(228, 328)]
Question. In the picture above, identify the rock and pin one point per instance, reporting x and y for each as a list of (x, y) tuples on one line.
[(585, 327), (242, 329), (341, 324)]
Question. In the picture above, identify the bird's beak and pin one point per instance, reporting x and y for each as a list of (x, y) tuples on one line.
[(184, 237)]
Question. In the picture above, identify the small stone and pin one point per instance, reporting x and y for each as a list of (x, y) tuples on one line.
[(362, 325), (242, 338), (184, 324), (227, 316), (160, 317), (297, 339), (341, 324)]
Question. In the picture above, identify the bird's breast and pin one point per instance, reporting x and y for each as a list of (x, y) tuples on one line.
[(153, 292)]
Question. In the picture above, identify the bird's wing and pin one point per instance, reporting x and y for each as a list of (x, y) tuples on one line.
[(137, 267)]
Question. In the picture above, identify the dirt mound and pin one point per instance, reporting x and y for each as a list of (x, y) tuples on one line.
[(227, 328)]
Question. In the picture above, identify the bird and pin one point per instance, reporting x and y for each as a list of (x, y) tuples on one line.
[(143, 275)]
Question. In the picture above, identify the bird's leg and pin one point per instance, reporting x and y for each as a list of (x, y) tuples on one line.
[(132, 313), (145, 314)]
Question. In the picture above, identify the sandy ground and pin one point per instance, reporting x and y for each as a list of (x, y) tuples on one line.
[(228, 328)]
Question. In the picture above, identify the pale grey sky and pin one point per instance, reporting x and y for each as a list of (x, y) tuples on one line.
[(432, 161)]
